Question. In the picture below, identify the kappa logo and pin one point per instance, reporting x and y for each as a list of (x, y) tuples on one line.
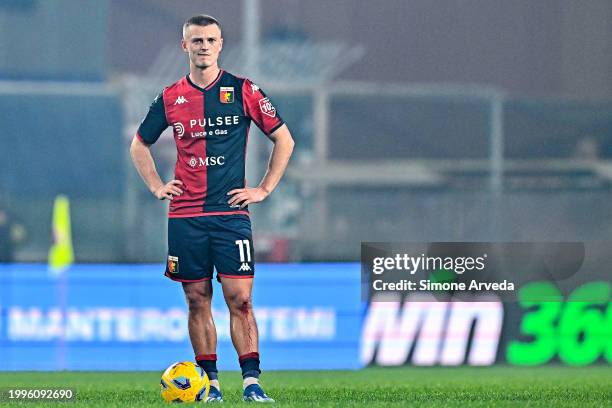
[(180, 100), (244, 267), (254, 88), (267, 108)]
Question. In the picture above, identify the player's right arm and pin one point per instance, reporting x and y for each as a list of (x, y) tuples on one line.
[(149, 131), (144, 163)]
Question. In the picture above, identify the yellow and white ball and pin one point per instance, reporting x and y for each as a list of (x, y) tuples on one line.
[(184, 382)]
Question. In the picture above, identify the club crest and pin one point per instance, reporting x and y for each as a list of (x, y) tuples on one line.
[(226, 94), (173, 265)]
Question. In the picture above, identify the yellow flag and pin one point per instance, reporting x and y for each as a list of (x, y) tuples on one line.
[(61, 255)]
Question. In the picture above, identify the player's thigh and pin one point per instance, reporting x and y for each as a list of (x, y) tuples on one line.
[(189, 255), (232, 247)]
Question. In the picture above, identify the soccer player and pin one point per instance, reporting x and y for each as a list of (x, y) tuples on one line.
[(210, 111)]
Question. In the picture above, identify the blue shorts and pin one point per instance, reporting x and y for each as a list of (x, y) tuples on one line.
[(197, 245)]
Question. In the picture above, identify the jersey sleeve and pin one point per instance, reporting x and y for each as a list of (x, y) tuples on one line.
[(154, 123), (259, 108)]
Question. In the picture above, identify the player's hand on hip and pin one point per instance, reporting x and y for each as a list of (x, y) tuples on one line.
[(246, 196), (169, 190)]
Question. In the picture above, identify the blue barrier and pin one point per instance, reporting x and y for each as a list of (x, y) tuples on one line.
[(130, 317)]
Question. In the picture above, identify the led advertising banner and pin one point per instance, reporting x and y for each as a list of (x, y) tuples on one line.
[(421, 330), (482, 303), (130, 317)]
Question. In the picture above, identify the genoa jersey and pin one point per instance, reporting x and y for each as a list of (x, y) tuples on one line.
[(211, 128)]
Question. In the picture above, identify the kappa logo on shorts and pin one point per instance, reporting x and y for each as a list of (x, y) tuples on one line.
[(173, 265), (244, 267)]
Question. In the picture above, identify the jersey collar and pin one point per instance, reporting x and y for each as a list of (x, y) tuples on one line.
[(209, 86)]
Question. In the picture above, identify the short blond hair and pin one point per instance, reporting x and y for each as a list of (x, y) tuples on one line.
[(202, 20)]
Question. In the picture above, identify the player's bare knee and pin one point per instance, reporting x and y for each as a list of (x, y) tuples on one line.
[(198, 300), (240, 303), (198, 303)]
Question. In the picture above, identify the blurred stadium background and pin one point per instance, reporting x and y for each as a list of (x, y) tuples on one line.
[(414, 121)]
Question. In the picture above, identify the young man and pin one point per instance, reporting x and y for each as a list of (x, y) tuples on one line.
[(210, 111)]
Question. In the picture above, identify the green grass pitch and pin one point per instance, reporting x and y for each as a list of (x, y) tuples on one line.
[(552, 386)]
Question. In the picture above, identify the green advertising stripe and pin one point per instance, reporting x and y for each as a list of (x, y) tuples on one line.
[(577, 330)]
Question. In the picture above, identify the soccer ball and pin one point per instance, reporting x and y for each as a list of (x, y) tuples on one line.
[(184, 382)]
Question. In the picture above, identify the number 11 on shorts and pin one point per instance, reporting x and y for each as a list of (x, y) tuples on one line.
[(244, 247)]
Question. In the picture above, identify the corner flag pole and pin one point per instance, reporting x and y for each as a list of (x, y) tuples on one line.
[(61, 254)]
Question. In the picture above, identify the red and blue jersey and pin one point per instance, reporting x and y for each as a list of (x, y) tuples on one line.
[(211, 128)]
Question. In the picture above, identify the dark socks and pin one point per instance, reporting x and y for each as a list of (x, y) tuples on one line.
[(208, 362), (249, 364)]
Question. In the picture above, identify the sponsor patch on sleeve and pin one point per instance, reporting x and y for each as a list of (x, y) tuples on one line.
[(267, 108)]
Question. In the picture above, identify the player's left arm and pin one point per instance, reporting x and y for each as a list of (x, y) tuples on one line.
[(279, 158)]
